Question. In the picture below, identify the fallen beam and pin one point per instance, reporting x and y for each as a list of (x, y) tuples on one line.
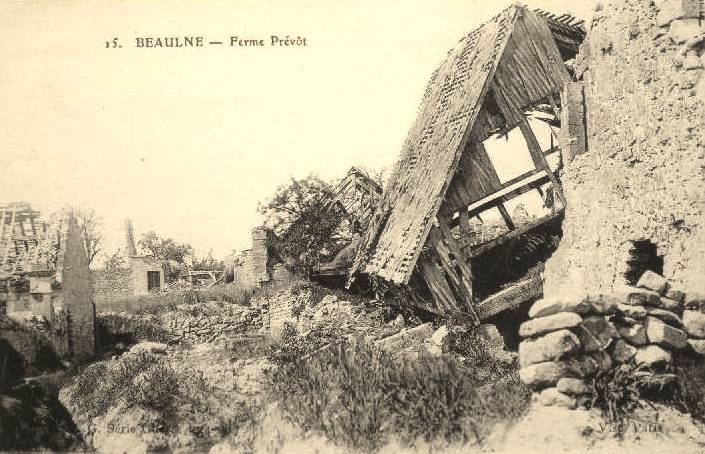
[(511, 297)]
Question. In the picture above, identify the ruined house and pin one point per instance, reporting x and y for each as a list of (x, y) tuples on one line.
[(45, 286), (141, 275), (356, 195), (502, 79)]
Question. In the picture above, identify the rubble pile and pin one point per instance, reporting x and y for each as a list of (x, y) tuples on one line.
[(190, 323), (211, 327), (567, 341)]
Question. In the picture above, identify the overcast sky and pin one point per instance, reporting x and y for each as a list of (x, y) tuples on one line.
[(187, 141)]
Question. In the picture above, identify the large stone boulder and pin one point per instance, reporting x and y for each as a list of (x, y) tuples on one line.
[(408, 338), (657, 332), (652, 281), (622, 352), (698, 345), (694, 322), (572, 386), (543, 374), (552, 346), (636, 296), (596, 333), (555, 322), (652, 356), (586, 305), (149, 347), (634, 334), (665, 316), (552, 397)]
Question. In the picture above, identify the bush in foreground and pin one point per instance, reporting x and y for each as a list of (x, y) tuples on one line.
[(361, 397)]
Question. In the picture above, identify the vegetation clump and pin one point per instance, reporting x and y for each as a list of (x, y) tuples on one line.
[(362, 397)]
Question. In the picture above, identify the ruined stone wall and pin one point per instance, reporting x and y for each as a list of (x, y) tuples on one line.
[(17, 339), (139, 267), (260, 255), (77, 294), (110, 286), (244, 273), (643, 175)]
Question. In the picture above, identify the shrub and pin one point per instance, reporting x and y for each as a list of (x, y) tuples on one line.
[(114, 328), (154, 387), (359, 396), (691, 373), (616, 393), (142, 379), (292, 347)]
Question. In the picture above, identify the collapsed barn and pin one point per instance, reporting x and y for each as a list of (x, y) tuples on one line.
[(431, 231), (45, 288), (355, 196)]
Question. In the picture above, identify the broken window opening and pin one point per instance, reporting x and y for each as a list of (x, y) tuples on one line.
[(643, 256), (153, 281)]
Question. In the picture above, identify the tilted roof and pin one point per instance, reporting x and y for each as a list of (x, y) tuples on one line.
[(450, 109), (27, 242)]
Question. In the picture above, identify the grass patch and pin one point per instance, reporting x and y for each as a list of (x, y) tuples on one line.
[(138, 380), (114, 328), (166, 301), (360, 397)]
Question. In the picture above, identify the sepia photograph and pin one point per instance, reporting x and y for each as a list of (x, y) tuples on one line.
[(352, 226)]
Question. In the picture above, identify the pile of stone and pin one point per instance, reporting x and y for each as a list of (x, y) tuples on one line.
[(211, 328), (569, 340)]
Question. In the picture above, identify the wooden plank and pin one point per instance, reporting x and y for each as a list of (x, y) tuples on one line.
[(462, 285), (437, 284), (464, 222), (493, 201), (511, 297), (512, 182), (535, 150), (453, 259), (505, 215), (474, 251)]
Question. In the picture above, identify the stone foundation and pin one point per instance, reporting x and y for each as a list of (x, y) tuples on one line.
[(569, 340)]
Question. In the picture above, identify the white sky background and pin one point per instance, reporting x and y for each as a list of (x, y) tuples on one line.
[(187, 141)]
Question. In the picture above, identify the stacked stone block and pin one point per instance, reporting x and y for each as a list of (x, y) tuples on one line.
[(567, 341)]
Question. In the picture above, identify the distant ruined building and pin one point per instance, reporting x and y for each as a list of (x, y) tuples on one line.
[(142, 275), (46, 296), (356, 194)]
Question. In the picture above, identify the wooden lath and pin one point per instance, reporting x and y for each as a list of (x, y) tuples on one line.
[(487, 83)]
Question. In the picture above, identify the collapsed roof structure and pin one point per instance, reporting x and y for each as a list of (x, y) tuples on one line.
[(485, 87)]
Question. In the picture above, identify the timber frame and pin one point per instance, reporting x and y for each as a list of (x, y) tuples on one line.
[(498, 75)]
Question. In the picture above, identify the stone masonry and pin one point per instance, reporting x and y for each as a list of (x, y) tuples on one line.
[(642, 177), (569, 340)]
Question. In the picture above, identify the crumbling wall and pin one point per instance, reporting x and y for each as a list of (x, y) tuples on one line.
[(77, 294), (16, 339), (643, 176), (110, 286), (139, 267)]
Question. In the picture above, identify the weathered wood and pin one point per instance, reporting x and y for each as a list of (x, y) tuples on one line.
[(505, 215), (511, 297), (456, 266), (493, 201), (464, 222), (437, 284), (535, 150), (454, 222), (474, 178), (476, 250), (573, 138)]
